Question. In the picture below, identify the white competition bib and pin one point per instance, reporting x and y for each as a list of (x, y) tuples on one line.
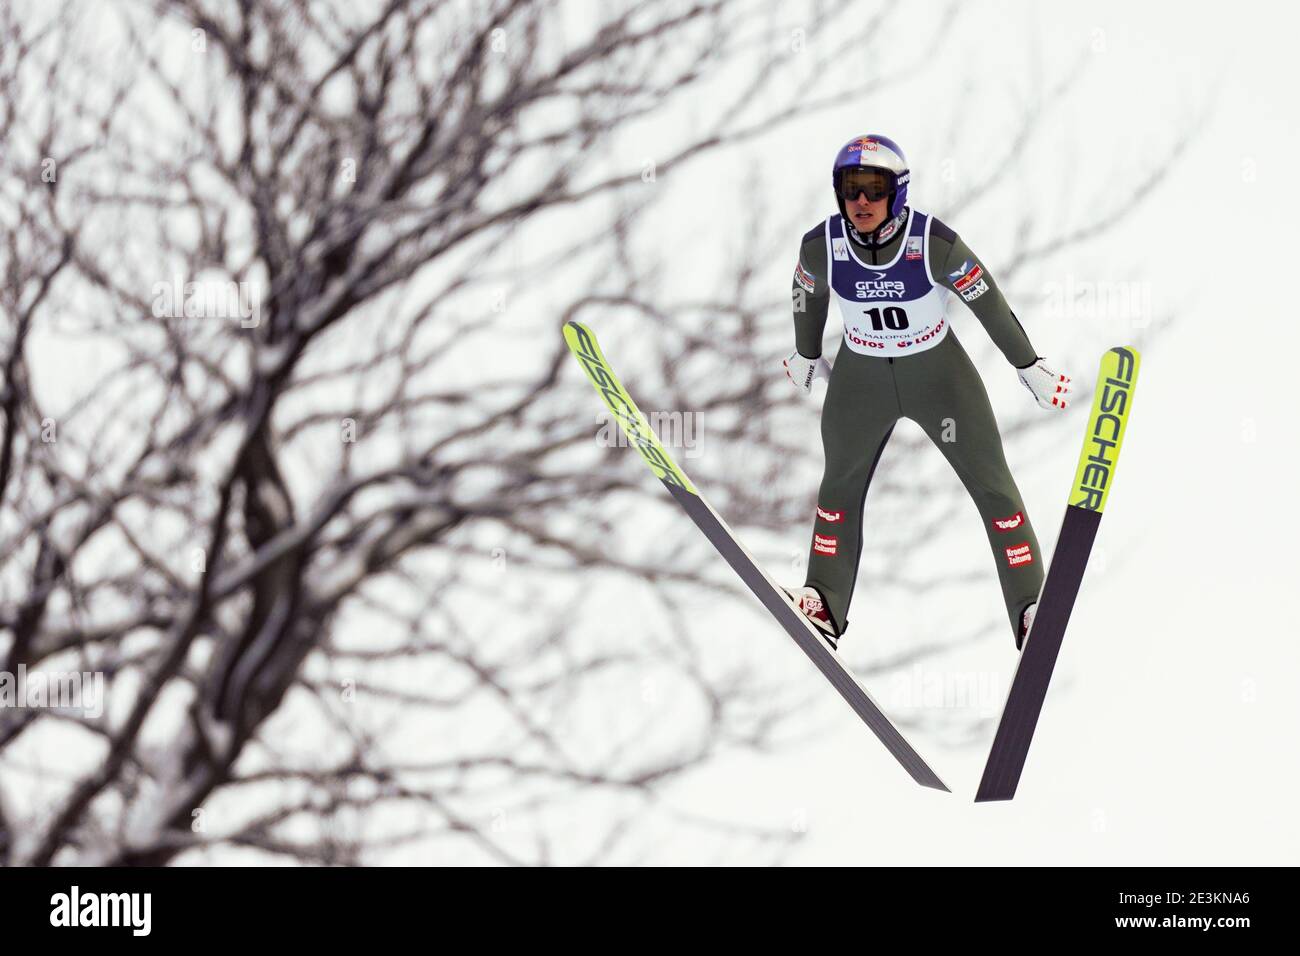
[(892, 309)]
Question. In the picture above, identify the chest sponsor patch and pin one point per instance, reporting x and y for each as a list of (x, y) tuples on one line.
[(880, 287), (840, 250), (804, 279), (831, 516), (913, 249), (826, 544), (1009, 524), (1019, 554)]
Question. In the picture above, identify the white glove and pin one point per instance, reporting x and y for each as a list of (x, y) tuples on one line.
[(1050, 389), (803, 371)]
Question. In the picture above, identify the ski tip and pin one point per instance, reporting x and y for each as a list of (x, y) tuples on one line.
[(928, 778), (576, 334), (993, 796)]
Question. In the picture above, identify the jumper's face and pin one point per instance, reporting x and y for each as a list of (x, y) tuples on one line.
[(866, 197), (867, 214)]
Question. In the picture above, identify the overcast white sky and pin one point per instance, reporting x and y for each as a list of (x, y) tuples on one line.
[(1170, 734)]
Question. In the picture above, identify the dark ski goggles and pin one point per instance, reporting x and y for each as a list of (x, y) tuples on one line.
[(875, 183)]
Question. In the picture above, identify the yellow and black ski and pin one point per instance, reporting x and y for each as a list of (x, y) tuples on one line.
[(583, 345), (1093, 478)]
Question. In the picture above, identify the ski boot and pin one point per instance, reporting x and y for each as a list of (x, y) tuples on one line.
[(1026, 622), (813, 607)]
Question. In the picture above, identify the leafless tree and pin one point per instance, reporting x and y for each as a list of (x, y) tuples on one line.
[(363, 586)]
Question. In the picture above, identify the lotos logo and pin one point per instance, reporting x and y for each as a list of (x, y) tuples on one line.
[(831, 516), (865, 343), (1019, 554), (1009, 524), (826, 544), (929, 334)]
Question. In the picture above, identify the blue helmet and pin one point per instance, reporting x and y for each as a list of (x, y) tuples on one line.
[(877, 152)]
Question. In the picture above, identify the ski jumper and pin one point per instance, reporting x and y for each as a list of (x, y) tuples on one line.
[(899, 358)]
